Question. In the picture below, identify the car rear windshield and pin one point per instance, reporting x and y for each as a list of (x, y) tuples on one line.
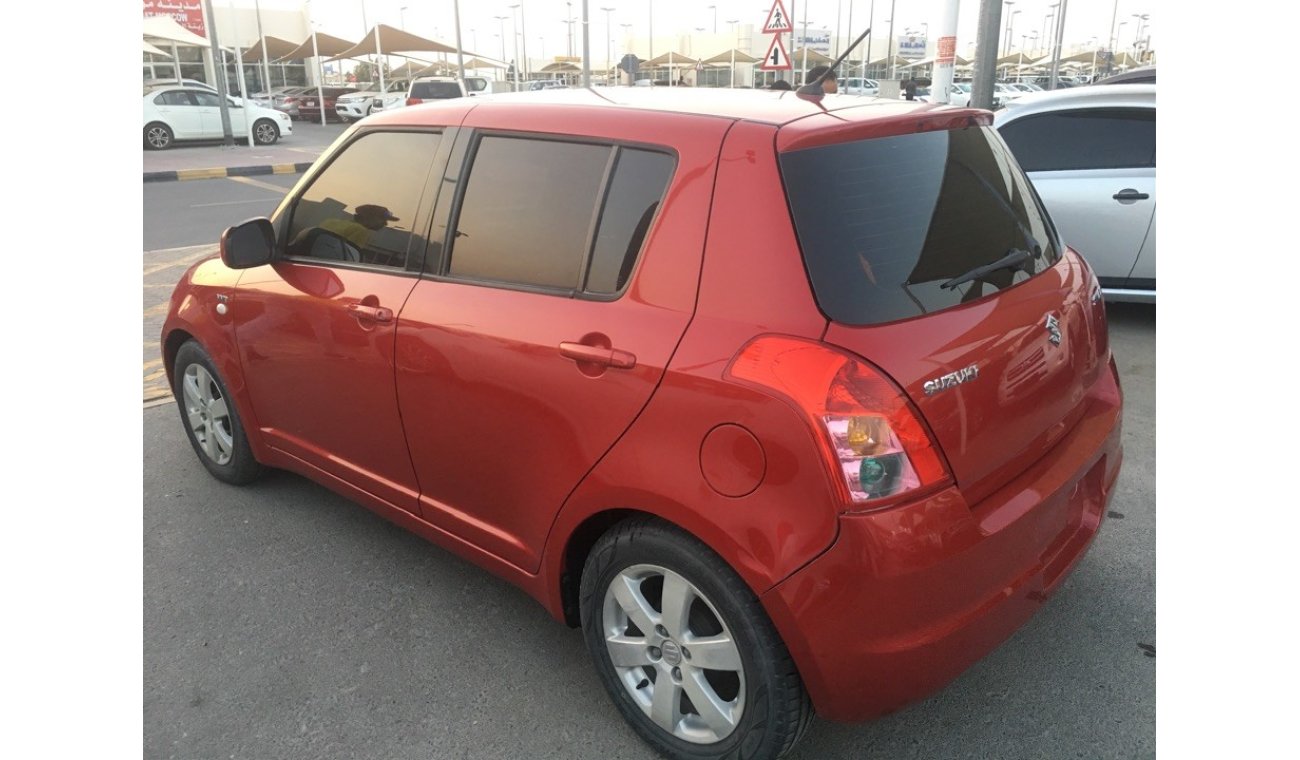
[(884, 223), (435, 90)]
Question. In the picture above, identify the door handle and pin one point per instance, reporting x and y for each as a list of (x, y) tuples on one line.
[(1129, 194), (605, 357), (375, 313)]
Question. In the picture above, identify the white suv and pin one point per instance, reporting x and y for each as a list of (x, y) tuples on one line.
[(358, 105), (430, 88)]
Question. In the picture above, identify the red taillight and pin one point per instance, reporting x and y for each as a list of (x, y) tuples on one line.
[(414, 101), (872, 438)]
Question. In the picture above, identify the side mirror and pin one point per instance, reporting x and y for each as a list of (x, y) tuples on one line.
[(248, 244)]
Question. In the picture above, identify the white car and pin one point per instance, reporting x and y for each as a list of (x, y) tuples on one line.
[(1091, 155), (190, 113), (358, 105), (859, 86), (430, 88)]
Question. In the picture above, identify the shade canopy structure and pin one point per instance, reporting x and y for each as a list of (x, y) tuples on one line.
[(166, 29), (560, 67), (725, 57), (479, 63), (409, 69), (391, 41), (957, 61), (814, 58), (898, 61), (325, 45), (678, 61), (155, 51), (1017, 59), (276, 48)]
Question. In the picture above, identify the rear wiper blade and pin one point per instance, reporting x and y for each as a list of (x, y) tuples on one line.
[(1014, 259)]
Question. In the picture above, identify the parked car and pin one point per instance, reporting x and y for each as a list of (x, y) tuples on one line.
[(1091, 153), (769, 462), (310, 106), (288, 101), (358, 105), (187, 113), (859, 86), (430, 88), (151, 84), (1140, 75), (268, 99)]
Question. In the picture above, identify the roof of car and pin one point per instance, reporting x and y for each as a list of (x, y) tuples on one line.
[(1090, 96), (766, 106)]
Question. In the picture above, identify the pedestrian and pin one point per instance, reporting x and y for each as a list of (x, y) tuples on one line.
[(829, 84), (909, 88)]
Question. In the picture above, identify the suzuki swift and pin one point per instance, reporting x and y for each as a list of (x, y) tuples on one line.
[(793, 405)]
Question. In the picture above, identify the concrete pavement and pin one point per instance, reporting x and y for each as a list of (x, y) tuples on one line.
[(206, 160)]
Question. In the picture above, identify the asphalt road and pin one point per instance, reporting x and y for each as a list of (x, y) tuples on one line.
[(282, 621)]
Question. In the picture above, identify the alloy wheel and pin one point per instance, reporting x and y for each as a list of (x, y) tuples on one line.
[(158, 137), (265, 133), (208, 414), (674, 654)]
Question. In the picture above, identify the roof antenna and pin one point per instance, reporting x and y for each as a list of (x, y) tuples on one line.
[(814, 89)]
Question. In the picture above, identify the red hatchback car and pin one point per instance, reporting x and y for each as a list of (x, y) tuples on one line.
[(789, 405)]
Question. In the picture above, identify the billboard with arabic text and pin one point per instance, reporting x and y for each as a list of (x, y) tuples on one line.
[(187, 13)]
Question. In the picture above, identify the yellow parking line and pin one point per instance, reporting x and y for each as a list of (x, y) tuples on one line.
[(155, 310), (256, 183), (190, 259), (200, 173), (152, 363)]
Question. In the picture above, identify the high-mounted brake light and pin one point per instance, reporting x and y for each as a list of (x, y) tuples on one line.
[(414, 101), (871, 436)]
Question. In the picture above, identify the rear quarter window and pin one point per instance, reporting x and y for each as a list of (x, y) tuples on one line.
[(1092, 138)]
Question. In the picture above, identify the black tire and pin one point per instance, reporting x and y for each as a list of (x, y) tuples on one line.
[(776, 709), (158, 136), (265, 132), (232, 458)]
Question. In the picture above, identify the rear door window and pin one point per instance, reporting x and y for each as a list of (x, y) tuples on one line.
[(884, 223), (1095, 138), (558, 216)]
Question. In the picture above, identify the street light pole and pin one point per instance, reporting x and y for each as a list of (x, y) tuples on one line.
[(627, 35), (890, 53), (736, 30), (609, 68), (714, 8), (1006, 45), (586, 45)]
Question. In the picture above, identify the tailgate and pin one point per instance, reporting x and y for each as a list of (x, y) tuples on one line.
[(934, 260), (1029, 382)]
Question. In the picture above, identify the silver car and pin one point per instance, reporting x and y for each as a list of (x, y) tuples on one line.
[(1091, 154)]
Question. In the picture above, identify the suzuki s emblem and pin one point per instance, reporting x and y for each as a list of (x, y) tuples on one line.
[(1053, 326), (944, 382)]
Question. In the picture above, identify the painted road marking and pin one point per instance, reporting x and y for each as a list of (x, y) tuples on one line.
[(258, 183), (232, 203), (196, 253)]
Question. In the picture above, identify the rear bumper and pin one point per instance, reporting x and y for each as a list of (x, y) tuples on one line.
[(909, 597)]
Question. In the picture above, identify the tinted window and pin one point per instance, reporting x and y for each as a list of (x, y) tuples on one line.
[(361, 207), (637, 187), (435, 90), (173, 98), (883, 223), (527, 211), (206, 99), (1111, 138)]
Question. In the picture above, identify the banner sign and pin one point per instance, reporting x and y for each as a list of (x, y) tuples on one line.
[(947, 51), (911, 48), (187, 13)]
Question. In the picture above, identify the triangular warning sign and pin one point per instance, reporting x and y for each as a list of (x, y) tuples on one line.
[(778, 20), (776, 59)]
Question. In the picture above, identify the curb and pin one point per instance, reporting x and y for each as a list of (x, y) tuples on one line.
[(229, 171)]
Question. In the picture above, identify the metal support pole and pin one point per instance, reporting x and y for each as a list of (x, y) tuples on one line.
[(460, 50), (176, 62), (871, 25), (890, 53), (380, 59), (986, 49), (1056, 52), (586, 46), (266, 65), (941, 74), (523, 32), (239, 75), (227, 137)]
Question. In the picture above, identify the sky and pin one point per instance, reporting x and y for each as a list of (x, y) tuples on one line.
[(545, 20)]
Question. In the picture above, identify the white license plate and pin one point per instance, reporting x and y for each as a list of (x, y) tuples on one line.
[(310, 103)]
